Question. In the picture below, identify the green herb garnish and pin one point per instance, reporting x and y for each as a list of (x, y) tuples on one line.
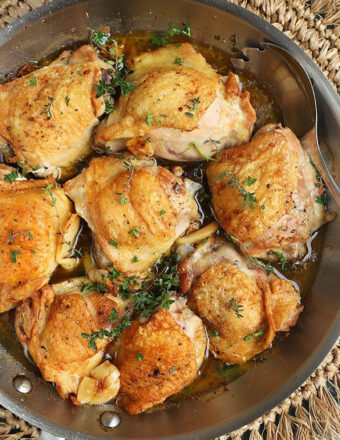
[(14, 255), (257, 334), (234, 182)]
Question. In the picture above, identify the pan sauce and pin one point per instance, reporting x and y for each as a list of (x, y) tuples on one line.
[(213, 375)]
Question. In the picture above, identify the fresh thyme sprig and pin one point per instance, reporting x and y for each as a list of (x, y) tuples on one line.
[(252, 262), (16, 234), (234, 182), (147, 297), (131, 169), (237, 308), (109, 85), (285, 265)]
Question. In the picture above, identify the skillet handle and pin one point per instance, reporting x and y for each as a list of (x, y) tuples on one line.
[(47, 436)]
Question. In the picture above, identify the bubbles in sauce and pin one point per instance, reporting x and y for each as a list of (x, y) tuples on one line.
[(214, 375)]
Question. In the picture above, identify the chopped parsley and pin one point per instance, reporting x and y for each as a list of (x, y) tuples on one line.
[(135, 259), (33, 82), (80, 73), (190, 115), (213, 333), (178, 61), (140, 357), (113, 243), (162, 212), (67, 100)]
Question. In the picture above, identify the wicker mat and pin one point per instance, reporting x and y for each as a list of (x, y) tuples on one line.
[(313, 411)]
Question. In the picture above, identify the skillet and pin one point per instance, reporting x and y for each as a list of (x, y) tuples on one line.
[(47, 29)]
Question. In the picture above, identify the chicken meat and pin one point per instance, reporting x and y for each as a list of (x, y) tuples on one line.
[(179, 110), (51, 324), (47, 116), (38, 231), (267, 196), (135, 209), (160, 357), (240, 304)]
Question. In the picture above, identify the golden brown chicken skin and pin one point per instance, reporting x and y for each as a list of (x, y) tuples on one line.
[(278, 210), (31, 244), (159, 358), (242, 307), (47, 116), (178, 112), (135, 209), (51, 324)]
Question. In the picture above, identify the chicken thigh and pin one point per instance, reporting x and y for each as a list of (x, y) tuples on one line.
[(267, 196), (180, 109), (51, 324), (135, 209), (241, 305), (160, 357), (47, 116), (38, 231)]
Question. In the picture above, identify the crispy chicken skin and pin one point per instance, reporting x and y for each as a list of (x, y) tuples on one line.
[(188, 103), (242, 307), (134, 232), (285, 212), (31, 246), (47, 116), (160, 357), (50, 324)]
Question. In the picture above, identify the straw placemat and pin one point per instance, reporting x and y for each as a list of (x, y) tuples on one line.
[(313, 411)]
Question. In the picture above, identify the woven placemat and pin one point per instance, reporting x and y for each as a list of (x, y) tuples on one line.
[(313, 411)]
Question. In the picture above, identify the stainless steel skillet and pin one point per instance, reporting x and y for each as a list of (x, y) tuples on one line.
[(293, 360)]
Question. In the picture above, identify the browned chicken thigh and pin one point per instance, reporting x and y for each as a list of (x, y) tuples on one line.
[(51, 324), (47, 116), (33, 216), (135, 209), (160, 357), (266, 195), (241, 306), (180, 109)]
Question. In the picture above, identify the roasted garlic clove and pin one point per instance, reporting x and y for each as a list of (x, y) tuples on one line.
[(101, 386)]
